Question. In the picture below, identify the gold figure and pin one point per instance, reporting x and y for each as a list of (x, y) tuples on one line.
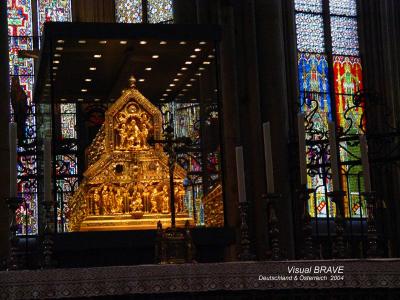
[(125, 208), (123, 134), (119, 201), (133, 132), (143, 136), (153, 201), (137, 205), (146, 199), (104, 200), (96, 202), (165, 200), (179, 193), (111, 200)]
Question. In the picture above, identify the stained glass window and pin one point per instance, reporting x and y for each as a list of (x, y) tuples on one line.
[(20, 38), (20, 66), (19, 17), (313, 73), (308, 5), (315, 82), (343, 7), (128, 11), (54, 11), (68, 120), (159, 10), (310, 33), (20, 32), (344, 35), (65, 191), (66, 163), (138, 11)]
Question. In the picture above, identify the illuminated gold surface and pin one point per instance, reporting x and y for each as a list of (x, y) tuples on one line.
[(126, 184), (214, 208)]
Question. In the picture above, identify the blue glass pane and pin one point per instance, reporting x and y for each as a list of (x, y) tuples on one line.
[(313, 73)]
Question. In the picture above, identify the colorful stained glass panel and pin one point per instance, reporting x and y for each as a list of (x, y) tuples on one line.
[(68, 121), (54, 11), (313, 73), (347, 74), (20, 66), (26, 165), (128, 11), (349, 119), (314, 6), (310, 33), (67, 184), (26, 214), (65, 191), (344, 36), (317, 108), (66, 165), (159, 11), (186, 121), (352, 179), (343, 7), (19, 17), (26, 83)]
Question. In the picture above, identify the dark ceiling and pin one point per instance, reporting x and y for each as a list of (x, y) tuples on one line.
[(85, 62)]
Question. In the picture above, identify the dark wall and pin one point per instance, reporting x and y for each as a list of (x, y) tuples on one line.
[(93, 11)]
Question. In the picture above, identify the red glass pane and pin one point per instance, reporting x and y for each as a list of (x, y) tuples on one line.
[(347, 74)]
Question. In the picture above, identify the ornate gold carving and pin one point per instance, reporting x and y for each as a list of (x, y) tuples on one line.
[(132, 127), (97, 148), (125, 175)]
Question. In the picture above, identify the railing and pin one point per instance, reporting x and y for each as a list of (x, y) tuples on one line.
[(340, 235)]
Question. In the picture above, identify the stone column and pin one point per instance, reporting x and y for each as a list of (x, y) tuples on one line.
[(4, 149), (274, 108), (379, 46), (242, 119), (250, 118), (230, 120)]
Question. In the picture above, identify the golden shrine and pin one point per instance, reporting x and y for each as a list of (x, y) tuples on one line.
[(126, 183)]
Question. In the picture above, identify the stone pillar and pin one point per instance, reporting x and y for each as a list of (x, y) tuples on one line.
[(242, 119), (274, 108), (4, 149), (379, 47), (251, 126), (230, 120)]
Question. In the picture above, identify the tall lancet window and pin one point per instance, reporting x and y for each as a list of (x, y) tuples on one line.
[(54, 11), (143, 11), (23, 35), (330, 74)]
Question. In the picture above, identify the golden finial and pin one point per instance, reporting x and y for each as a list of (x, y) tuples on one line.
[(132, 81)]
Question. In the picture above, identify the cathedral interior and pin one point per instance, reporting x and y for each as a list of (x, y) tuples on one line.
[(195, 149)]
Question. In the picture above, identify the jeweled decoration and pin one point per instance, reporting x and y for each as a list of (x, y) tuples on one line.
[(126, 183)]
